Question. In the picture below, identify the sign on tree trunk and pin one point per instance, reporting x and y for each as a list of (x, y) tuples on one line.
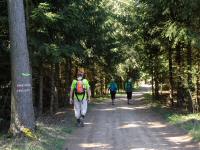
[(22, 113)]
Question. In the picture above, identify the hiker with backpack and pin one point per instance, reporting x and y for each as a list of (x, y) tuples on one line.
[(112, 87), (129, 89), (80, 96)]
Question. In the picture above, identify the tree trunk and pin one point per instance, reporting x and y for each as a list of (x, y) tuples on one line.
[(152, 85), (156, 81), (41, 91), (27, 16), (190, 85), (70, 69), (92, 86), (198, 85), (52, 88), (101, 85), (151, 65), (22, 112), (156, 74), (105, 85), (57, 80), (171, 82), (68, 76), (180, 96)]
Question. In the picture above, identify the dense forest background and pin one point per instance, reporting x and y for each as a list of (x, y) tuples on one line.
[(150, 40)]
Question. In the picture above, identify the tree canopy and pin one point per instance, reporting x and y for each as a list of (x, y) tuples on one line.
[(152, 40)]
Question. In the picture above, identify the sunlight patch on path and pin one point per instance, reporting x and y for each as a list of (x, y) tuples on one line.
[(105, 109), (156, 125), (141, 149), (179, 139), (96, 145), (88, 123), (130, 125), (125, 108)]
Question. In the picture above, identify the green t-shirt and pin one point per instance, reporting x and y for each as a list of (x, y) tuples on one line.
[(85, 85)]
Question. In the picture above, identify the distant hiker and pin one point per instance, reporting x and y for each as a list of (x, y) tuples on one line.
[(80, 96), (112, 87), (129, 89)]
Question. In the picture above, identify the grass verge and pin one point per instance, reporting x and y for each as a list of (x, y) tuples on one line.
[(188, 122), (51, 134)]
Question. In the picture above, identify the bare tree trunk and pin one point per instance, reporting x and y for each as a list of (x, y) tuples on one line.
[(180, 95), (41, 91), (68, 76), (156, 81), (101, 84), (52, 88), (56, 98), (198, 85), (22, 112), (171, 82), (70, 69), (27, 16), (152, 81), (57, 80), (105, 85), (151, 65), (156, 75), (190, 86), (92, 87), (152, 85)]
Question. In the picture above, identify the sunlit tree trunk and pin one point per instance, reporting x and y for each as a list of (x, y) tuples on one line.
[(22, 113)]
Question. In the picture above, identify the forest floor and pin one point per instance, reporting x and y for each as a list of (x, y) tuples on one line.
[(128, 127)]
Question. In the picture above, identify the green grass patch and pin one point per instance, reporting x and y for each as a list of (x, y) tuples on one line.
[(188, 122)]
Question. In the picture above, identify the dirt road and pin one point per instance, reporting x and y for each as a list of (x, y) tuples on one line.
[(127, 127)]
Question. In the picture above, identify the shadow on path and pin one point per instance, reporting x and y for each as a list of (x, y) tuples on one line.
[(128, 127)]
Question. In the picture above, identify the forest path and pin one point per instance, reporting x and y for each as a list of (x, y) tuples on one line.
[(128, 127)]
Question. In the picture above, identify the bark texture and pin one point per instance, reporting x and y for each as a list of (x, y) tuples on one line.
[(22, 112)]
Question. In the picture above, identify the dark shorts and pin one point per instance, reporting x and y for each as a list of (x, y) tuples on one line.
[(112, 93), (129, 95)]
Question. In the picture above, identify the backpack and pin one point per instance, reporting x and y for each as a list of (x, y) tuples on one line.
[(79, 89), (129, 87), (113, 87)]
